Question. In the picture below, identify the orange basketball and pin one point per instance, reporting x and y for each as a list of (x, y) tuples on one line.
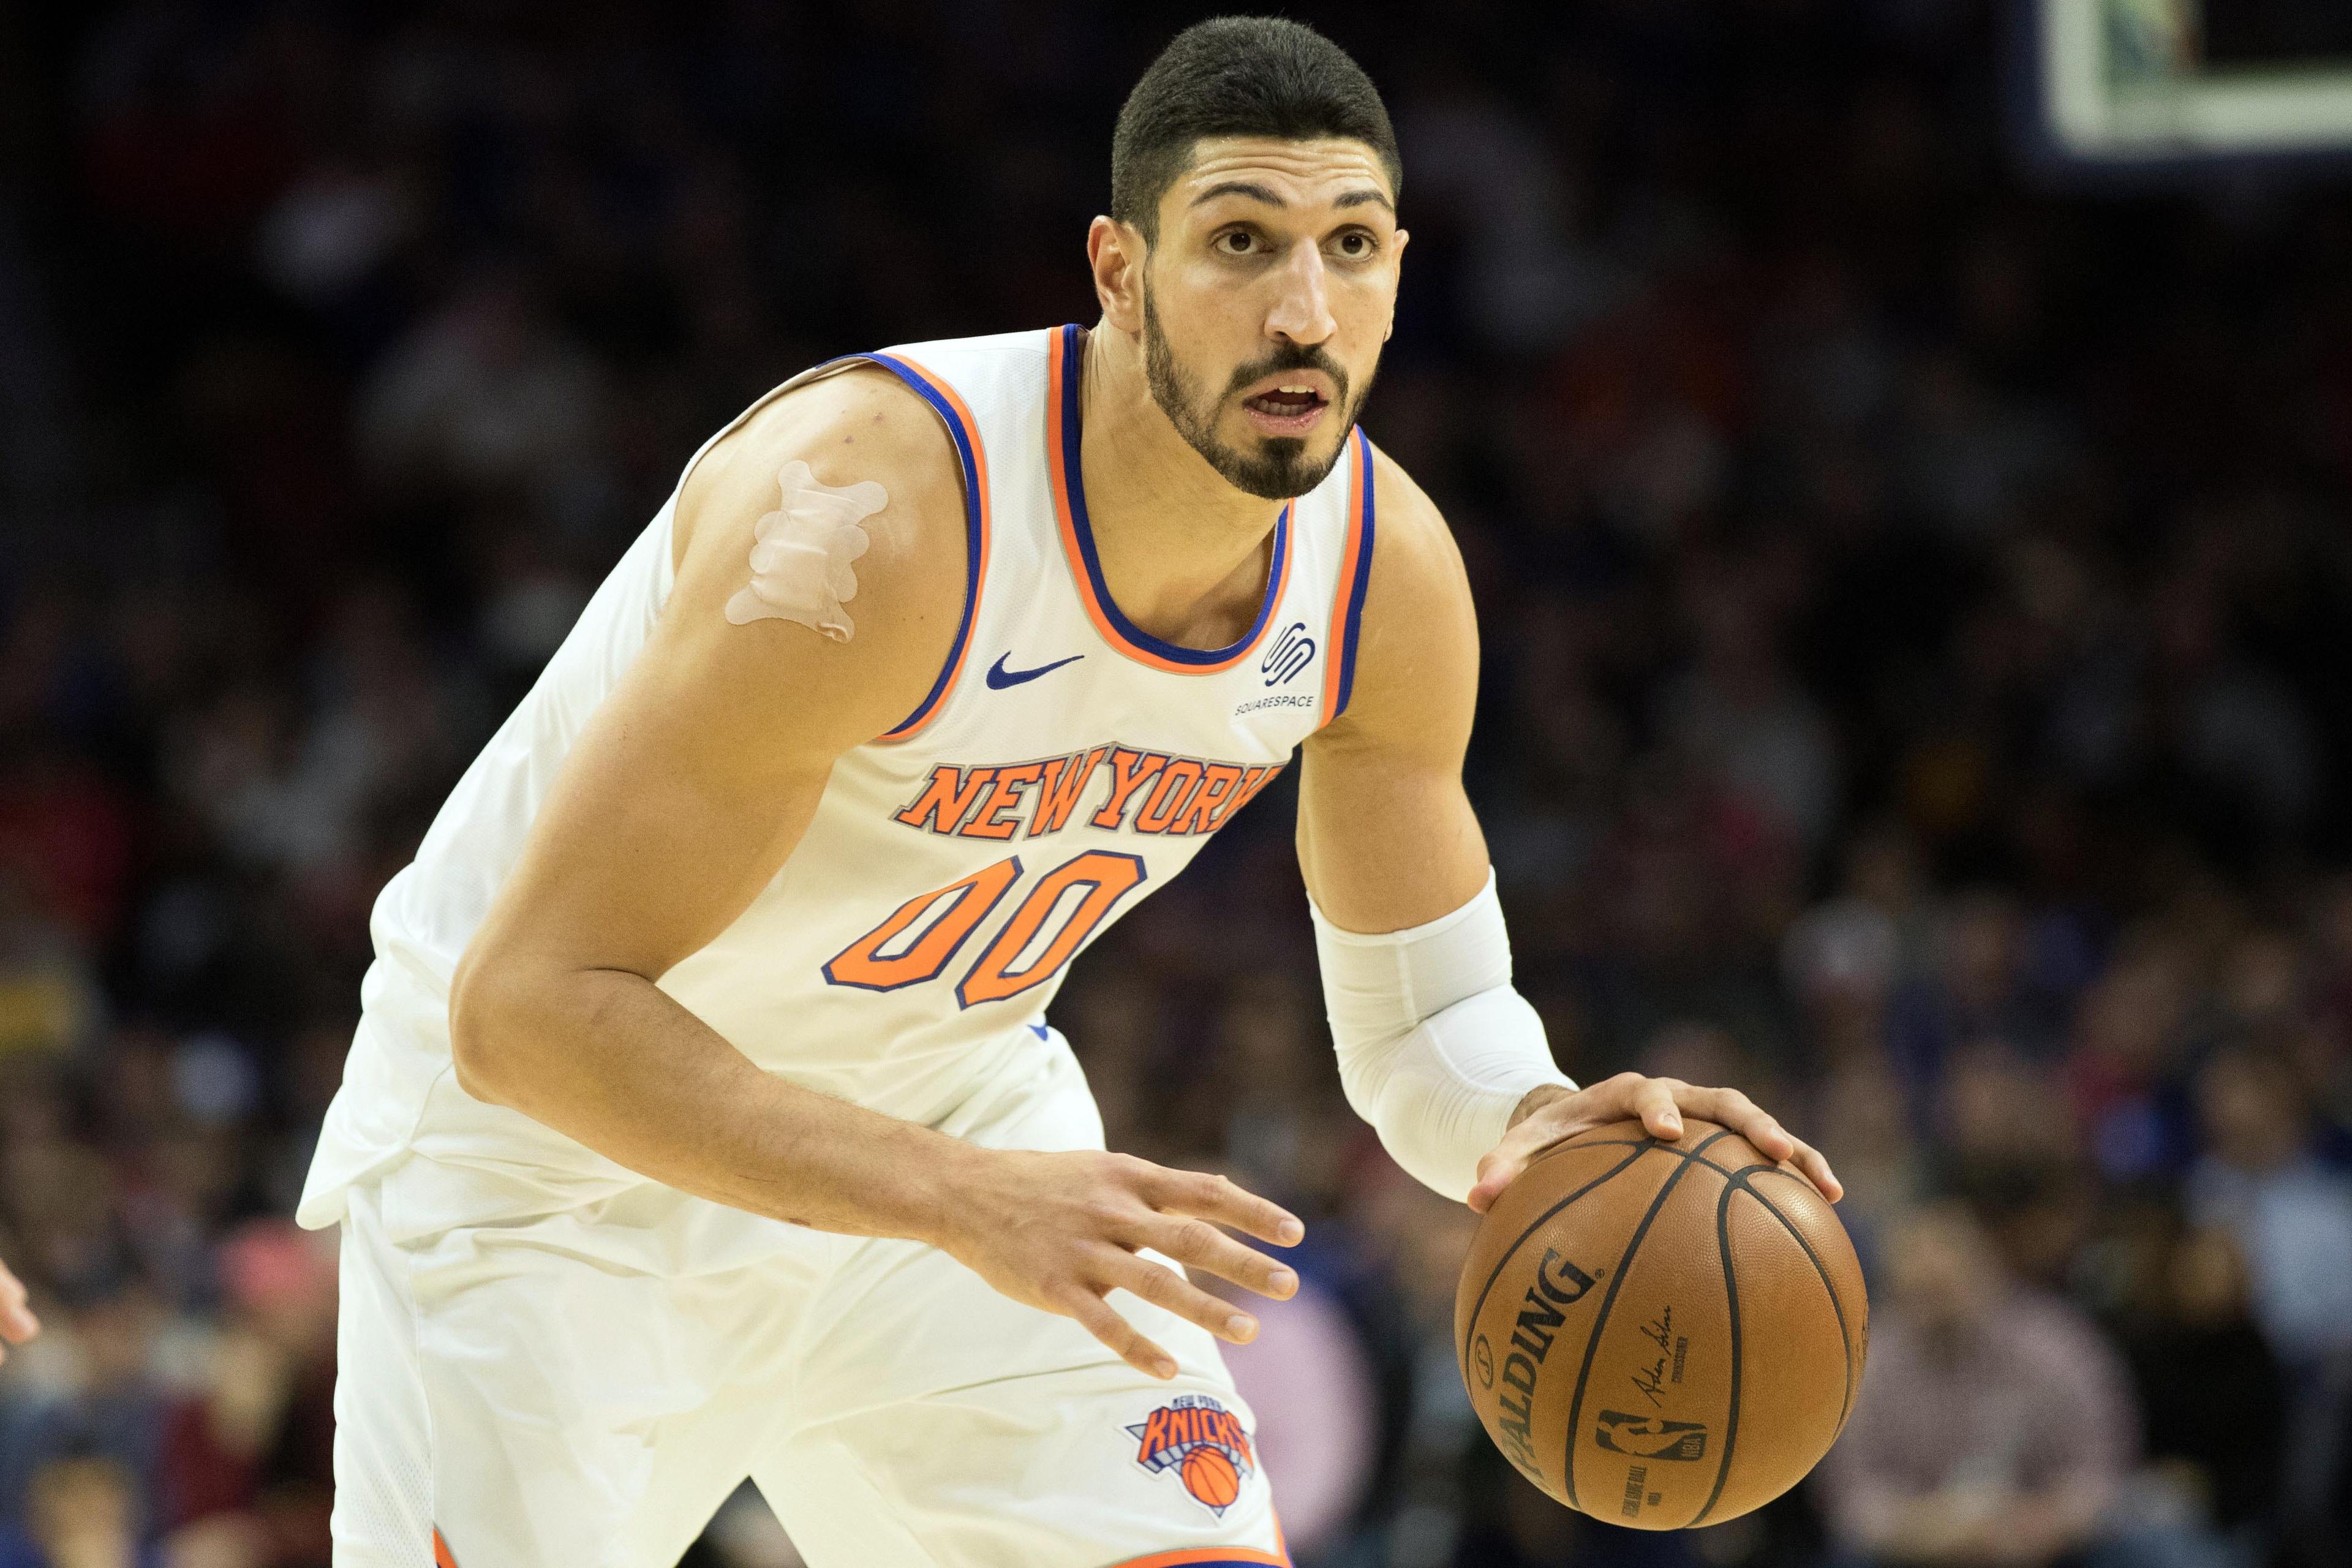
[(1662, 1334), (1209, 1475)]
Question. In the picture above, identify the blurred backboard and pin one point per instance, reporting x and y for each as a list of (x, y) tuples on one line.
[(2152, 84)]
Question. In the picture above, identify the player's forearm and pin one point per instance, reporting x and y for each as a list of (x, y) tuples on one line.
[(1436, 1050), (606, 1057)]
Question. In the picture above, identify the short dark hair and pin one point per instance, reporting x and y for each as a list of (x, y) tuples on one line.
[(1238, 76)]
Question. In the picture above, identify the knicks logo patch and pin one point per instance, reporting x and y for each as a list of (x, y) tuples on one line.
[(1203, 1442)]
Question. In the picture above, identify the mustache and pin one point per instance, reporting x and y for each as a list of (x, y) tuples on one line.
[(1293, 356)]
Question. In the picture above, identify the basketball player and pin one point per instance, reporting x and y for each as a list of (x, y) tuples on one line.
[(705, 1120)]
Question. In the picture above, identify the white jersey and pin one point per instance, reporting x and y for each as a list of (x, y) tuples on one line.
[(1064, 765)]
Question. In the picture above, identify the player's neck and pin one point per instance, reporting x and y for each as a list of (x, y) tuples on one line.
[(1183, 552)]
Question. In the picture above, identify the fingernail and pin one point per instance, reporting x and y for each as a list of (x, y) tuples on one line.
[(1284, 1280), (1239, 1327), (1163, 1369), (1290, 1230)]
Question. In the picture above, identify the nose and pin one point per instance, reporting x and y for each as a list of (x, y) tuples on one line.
[(1302, 307)]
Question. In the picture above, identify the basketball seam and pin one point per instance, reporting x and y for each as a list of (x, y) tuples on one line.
[(1732, 1184), (1845, 1334), (1504, 1261), (1600, 1323)]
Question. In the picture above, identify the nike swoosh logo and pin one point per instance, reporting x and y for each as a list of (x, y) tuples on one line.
[(998, 678)]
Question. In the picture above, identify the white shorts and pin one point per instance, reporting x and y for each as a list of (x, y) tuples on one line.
[(565, 1393)]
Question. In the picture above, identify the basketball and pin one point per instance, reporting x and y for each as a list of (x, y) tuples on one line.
[(1210, 1476), (1661, 1334)]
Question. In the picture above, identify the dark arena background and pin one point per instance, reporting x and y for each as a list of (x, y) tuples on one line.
[(1909, 527)]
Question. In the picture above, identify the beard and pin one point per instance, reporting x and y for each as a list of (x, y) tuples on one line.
[(1276, 468)]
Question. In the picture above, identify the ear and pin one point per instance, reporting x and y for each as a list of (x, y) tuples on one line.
[(1116, 253), (1396, 259)]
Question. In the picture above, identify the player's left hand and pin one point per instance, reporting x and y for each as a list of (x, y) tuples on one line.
[(1552, 1115)]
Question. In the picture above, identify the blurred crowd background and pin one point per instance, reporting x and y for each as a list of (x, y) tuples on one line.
[(1917, 601)]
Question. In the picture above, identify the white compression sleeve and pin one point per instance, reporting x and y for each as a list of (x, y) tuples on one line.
[(1435, 1049)]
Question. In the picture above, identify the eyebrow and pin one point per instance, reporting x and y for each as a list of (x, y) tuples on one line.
[(1256, 192), (1240, 188)]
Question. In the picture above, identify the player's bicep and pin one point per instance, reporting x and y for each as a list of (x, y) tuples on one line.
[(1387, 839), (662, 826), (692, 782)]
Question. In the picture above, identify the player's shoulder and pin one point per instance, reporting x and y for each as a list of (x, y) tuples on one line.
[(1414, 557), (1417, 644), (901, 553), (1417, 577), (860, 425)]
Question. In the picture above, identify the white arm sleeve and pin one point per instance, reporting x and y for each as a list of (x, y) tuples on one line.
[(1435, 1049)]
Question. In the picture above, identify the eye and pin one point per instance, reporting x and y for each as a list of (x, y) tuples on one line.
[(1357, 244), (1235, 242)]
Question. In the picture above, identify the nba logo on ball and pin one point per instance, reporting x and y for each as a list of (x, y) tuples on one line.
[(1203, 1442)]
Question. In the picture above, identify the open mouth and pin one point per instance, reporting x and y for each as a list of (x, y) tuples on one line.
[(1289, 410)]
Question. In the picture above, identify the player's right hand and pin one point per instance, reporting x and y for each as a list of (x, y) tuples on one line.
[(17, 1323), (1062, 1231)]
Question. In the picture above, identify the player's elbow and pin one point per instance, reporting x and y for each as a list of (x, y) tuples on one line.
[(487, 1032)]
